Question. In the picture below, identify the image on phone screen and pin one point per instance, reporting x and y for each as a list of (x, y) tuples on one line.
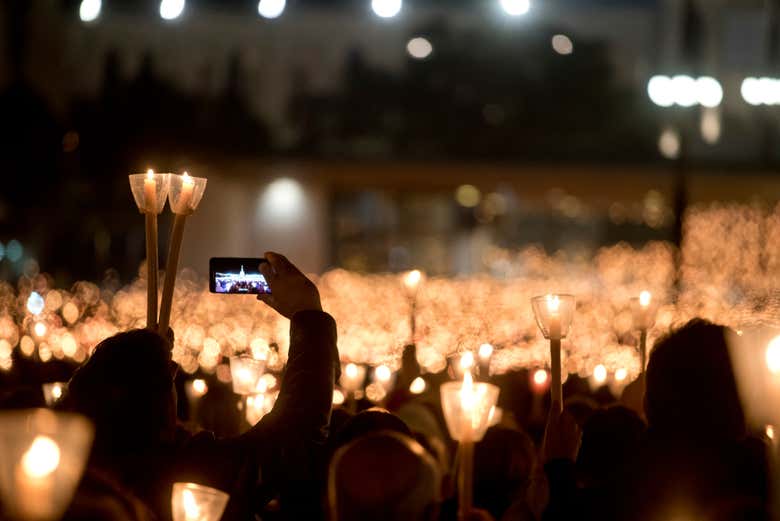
[(237, 276)]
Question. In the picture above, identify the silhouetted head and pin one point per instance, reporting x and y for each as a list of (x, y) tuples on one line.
[(126, 388), (610, 438), (691, 391), (504, 465), (384, 476), (369, 421)]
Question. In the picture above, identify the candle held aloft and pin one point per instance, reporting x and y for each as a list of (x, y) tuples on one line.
[(150, 192)]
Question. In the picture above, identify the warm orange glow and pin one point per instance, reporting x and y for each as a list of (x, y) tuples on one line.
[(42, 458), (417, 386), (621, 374), (485, 351), (412, 279), (467, 361), (540, 377), (600, 374), (338, 397), (39, 329), (644, 298), (773, 355), (199, 387), (553, 303), (383, 373), (351, 370), (150, 174)]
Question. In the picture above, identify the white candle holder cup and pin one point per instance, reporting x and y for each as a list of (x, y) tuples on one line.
[(554, 314), (245, 373), (44, 454), (150, 197), (53, 392), (755, 357), (477, 418), (643, 313), (186, 193), (193, 502)]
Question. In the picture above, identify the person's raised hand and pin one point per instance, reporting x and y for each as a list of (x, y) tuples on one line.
[(291, 291), (561, 437)]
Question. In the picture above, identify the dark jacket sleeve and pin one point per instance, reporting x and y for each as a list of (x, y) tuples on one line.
[(562, 482)]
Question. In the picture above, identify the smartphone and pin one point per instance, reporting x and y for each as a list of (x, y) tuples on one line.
[(237, 276)]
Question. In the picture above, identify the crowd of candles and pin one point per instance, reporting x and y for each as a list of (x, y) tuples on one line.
[(728, 282)]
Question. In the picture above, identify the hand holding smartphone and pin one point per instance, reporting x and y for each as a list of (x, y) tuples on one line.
[(237, 276)]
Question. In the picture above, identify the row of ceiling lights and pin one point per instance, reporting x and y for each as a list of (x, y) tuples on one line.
[(89, 10), (686, 91)]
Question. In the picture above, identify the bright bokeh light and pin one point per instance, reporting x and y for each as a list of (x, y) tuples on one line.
[(338, 397), (710, 126), (669, 144), (467, 360), (761, 91), (191, 508), (386, 8), (562, 44), (199, 387), (600, 374), (621, 374), (412, 279), (515, 7), (283, 201), (42, 458), (685, 90), (271, 8), (644, 298), (660, 91), (751, 91), (770, 432), (485, 351), (39, 329), (35, 303), (468, 196), (419, 48), (417, 386), (89, 10), (56, 391), (383, 373), (171, 9), (540, 377), (773, 355), (709, 92), (351, 370)]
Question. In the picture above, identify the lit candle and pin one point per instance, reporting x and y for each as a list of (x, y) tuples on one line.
[(553, 307), (187, 186), (34, 477), (469, 414), (150, 192), (556, 386)]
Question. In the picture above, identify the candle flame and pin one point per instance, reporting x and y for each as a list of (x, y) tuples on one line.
[(467, 360), (199, 387), (42, 458), (467, 393), (485, 351), (351, 370), (773, 355), (621, 374), (150, 174), (56, 391), (412, 279), (540, 377), (40, 329), (338, 397), (644, 298), (383, 373), (600, 374), (186, 179), (553, 303), (191, 508), (770, 432), (417, 386)]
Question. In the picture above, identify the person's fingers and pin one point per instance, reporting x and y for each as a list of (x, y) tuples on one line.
[(268, 299), (279, 262), (268, 272)]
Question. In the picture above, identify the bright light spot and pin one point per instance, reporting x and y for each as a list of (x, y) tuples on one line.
[(338, 397), (171, 9), (70, 312), (14, 250), (685, 90), (669, 144), (468, 196), (710, 126), (644, 298), (199, 387), (485, 351), (383, 373), (351, 370), (35, 303), (417, 386), (540, 377), (773, 355), (770, 432), (751, 91), (42, 458), (282, 202), (600, 374), (271, 8), (412, 279), (562, 44), (27, 345), (89, 10), (516, 7), (419, 48), (467, 360), (621, 374), (191, 508), (553, 303), (386, 8), (661, 91), (39, 329), (709, 92)]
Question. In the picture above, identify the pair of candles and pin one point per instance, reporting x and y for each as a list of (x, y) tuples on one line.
[(150, 191)]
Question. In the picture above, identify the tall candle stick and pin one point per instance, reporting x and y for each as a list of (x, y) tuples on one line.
[(643, 320), (465, 478), (556, 387), (185, 196)]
